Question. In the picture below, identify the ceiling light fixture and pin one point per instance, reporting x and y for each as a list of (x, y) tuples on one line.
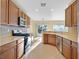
[(43, 4)]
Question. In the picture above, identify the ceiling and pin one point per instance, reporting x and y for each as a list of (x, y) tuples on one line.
[(52, 10)]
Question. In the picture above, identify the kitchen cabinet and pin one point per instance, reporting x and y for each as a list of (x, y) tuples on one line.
[(8, 51), (74, 13), (52, 39), (59, 43), (27, 18), (45, 38), (4, 11), (28, 21), (10, 54), (20, 48), (13, 13), (74, 50), (71, 15), (67, 48), (68, 18)]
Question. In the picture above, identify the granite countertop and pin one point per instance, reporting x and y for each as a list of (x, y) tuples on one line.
[(7, 40), (72, 37)]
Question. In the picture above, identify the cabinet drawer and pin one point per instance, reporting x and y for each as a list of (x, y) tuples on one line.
[(7, 46)]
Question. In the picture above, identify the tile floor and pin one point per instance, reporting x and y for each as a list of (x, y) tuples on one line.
[(44, 51)]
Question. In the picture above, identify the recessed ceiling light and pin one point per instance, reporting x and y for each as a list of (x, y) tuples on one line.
[(52, 10), (36, 10)]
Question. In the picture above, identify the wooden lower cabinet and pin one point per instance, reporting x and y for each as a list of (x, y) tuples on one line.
[(13, 50), (74, 50), (9, 54), (8, 51), (45, 38), (52, 39), (20, 50), (67, 48)]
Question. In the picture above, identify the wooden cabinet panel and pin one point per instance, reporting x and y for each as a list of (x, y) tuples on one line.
[(67, 48), (10, 54), (71, 15), (68, 17), (4, 11), (20, 50), (45, 38), (52, 39), (67, 51), (7, 46), (74, 13), (74, 50), (13, 13), (8, 51), (27, 21)]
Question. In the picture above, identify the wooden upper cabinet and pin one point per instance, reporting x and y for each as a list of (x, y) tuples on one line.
[(74, 50), (68, 17), (4, 11), (28, 21), (13, 13), (74, 13), (71, 15)]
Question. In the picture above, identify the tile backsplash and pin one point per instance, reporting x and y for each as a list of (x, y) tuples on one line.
[(6, 30)]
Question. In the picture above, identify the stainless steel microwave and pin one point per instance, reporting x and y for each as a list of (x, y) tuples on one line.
[(21, 22)]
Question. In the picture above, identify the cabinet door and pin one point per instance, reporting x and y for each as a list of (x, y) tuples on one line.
[(52, 39), (13, 13), (20, 50), (74, 14), (28, 21), (9, 54), (74, 50), (68, 17), (45, 38), (4, 11), (67, 49)]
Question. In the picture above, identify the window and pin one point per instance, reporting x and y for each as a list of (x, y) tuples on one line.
[(41, 28), (60, 28)]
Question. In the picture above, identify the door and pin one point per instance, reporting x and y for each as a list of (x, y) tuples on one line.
[(13, 13)]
